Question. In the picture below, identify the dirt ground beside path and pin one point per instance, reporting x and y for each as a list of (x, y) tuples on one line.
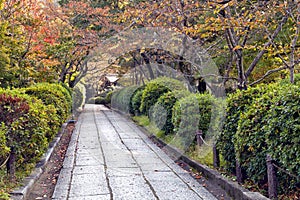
[(44, 187)]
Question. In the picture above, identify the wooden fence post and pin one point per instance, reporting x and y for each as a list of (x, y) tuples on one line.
[(272, 180), (199, 137), (216, 156), (239, 175)]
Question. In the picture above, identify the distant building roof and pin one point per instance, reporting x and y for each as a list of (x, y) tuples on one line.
[(112, 78)]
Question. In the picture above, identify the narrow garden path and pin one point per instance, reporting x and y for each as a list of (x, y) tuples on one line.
[(110, 158)]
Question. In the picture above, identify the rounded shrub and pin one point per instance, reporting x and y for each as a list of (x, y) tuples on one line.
[(121, 99), (161, 113), (100, 100), (135, 102), (66, 90), (191, 114), (97, 100), (170, 83), (53, 94), (155, 88), (150, 95)]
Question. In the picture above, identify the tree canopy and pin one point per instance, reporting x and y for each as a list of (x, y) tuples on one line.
[(250, 41)]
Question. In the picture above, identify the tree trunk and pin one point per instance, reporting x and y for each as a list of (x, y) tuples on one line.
[(292, 78), (240, 67), (10, 165), (148, 65)]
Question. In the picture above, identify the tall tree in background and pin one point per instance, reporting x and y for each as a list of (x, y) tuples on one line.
[(248, 33), (85, 25), (250, 29), (46, 41), (42, 41), (13, 42)]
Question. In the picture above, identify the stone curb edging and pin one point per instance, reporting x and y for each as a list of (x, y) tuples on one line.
[(21, 192)]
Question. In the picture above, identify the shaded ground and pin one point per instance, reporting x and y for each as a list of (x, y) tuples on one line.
[(44, 187)]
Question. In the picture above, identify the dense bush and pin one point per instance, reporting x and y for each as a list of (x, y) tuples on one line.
[(250, 139), (29, 119), (170, 83), (53, 94), (135, 102), (103, 98), (161, 113), (191, 114), (65, 89), (100, 100), (150, 95), (57, 98), (26, 119), (282, 134), (155, 88), (121, 99), (237, 103), (266, 122)]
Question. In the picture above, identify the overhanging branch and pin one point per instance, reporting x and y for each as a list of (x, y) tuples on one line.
[(268, 74)]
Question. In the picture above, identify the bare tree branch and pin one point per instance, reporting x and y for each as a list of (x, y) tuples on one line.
[(262, 52), (268, 74)]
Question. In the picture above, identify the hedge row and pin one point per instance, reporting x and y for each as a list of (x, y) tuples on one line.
[(169, 104), (121, 99), (29, 120), (263, 120)]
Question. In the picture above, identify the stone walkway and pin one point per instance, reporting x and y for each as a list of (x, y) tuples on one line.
[(110, 158)]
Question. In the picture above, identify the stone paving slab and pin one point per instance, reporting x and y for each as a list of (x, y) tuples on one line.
[(88, 185), (110, 158), (92, 197)]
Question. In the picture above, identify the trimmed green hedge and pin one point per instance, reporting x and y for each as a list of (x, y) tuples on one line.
[(249, 140), (135, 102), (282, 134), (170, 83), (191, 114), (155, 88), (121, 99), (53, 94), (31, 118), (150, 95), (161, 113), (26, 132), (237, 103), (264, 120)]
